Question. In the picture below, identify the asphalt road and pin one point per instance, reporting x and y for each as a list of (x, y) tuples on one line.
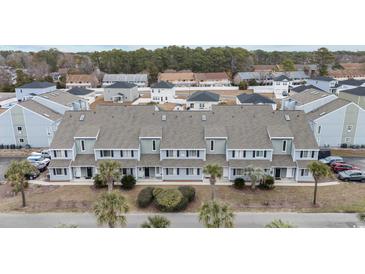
[(357, 161), (183, 220)]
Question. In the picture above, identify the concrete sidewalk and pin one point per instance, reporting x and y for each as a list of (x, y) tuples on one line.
[(171, 183)]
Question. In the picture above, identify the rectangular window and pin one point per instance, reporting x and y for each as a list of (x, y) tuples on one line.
[(244, 154), (54, 154), (198, 153), (19, 128), (253, 154), (211, 145), (347, 139), (187, 153), (313, 153), (284, 145), (153, 145), (304, 154), (178, 171), (121, 154), (58, 171), (66, 154), (105, 153), (304, 172), (178, 153), (233, 153), (21, 140), (82, 145), (319, 129), (349, 128), (198, 171), (132, 153), (65, 171)]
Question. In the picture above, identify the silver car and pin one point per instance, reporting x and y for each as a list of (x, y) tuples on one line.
[(330, 159)]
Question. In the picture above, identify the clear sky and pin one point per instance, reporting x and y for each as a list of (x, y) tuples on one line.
[(82, 48)]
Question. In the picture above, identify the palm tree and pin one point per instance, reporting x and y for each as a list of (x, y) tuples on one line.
[(110, 209), (279, 224), (109, 172), (214, 171), (256, 174), (157, 221), (319, 171), (16, 175), (215, 215)]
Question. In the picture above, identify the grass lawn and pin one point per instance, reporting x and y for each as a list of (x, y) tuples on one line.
[(339, 198)]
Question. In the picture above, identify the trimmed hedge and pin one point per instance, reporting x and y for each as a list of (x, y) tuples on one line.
[(98, 182), (145, 197), (128, 182), (170, 200), (239, 183), (188, 192), (267, 183)]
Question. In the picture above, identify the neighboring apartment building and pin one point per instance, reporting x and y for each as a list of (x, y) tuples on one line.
[(350, 70), (254, 99), (179, 79), (266, 77), (281, 85), (88, 95), (30, 90), (307, 100), (141, 79), (301, 88), (356, 95), (328, 84), (349, 84), (81, 81), (121, 92), (338, 122), (61, 101), (212, 79), (175, 146), (202, 100), (28, 123), (162, 92)]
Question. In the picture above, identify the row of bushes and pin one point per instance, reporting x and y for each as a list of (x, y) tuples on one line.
[(352, 146), (267, 183), (127, 181), (13, 146), (166, 200)]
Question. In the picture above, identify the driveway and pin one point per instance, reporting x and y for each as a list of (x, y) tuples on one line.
[(357, 161), (4, 163)]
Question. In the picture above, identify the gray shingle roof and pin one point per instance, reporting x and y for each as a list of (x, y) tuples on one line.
[(142, 77), (254, 98), (359, 91), (60, 96), (323, 78), (245, 127), (281, 78), (304, 87), (122, 85), (351, 82), (77, 91), (203, 96), (182, 163), (162, 84), (35, 85), (327, 108), (308, 96), (84, 160), (41, 109), (282, 161), (246, 163)]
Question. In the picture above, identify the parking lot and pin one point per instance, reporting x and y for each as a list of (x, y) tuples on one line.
[(4, 163), (359, 162)]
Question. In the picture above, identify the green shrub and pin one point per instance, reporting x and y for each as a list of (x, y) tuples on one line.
[(156, 191), (98, 182), (239, 183), (169, 200), (128, 182), (145, 197), (267, 183), (188, 192)]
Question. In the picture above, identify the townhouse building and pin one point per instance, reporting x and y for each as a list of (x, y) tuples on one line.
[(202, 100), (121, 92), (328, 84), (175, 146), (30, 90), (81, 81), (178, 78), (254, 99), (356, 95), (139, 79), (163, 92)]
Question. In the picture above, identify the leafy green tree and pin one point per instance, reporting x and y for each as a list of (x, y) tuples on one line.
[(109, 171), (256, 174), (214, 171), (157, 221), (16, 175), (323, 58), (288, 65), (214, 214), (243, 85), (279, 224), (319, 171), (111, 208)]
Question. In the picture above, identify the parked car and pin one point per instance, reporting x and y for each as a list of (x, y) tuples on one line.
[(40, 166), (330, 159), (34, 158), (44, 153), (32, 175), (45, 161), (338, 167), (352, 175)]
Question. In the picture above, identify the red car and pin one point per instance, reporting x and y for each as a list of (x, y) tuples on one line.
[(338, 167)]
